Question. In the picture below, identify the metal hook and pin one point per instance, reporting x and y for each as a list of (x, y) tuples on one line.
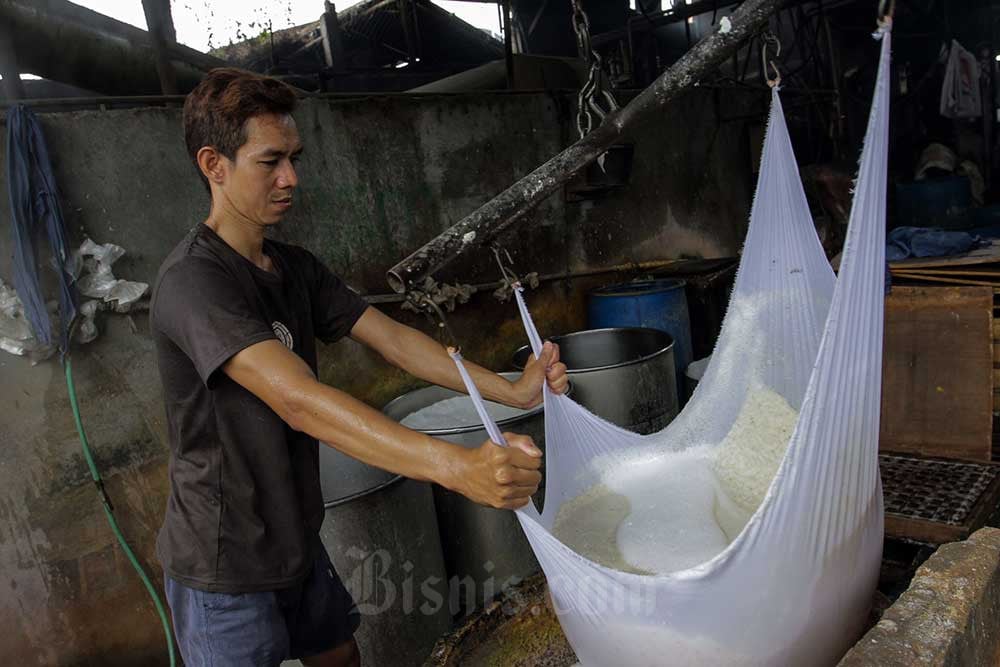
[(506, 271), (443, 322), (886, 11), (770, 40)]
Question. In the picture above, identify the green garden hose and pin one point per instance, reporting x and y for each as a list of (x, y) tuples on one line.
[(109, 512)]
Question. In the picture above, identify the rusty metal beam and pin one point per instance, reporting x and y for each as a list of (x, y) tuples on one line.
[(333, 37), (62, 41), (510, 206), (508, 43), (160, 24)]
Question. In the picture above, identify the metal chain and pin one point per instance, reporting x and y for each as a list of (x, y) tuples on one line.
[(593, 102)]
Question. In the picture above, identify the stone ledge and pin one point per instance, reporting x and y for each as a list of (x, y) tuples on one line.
[(948, 617)]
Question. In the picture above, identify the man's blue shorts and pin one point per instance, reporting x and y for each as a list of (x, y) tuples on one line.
[(262, 629)]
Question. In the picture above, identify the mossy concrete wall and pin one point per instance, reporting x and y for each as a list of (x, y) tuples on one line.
[(379, 177), (948, 617)]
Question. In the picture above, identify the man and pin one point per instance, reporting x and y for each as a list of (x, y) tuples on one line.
[(234, 318)]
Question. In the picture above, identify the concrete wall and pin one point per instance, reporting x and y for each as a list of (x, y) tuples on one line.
[(948, 615), (379, 177)]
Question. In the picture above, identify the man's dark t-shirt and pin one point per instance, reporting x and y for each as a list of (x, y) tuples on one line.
[(245, 494)]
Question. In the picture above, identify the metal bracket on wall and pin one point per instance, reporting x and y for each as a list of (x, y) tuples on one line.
[(607, 174)]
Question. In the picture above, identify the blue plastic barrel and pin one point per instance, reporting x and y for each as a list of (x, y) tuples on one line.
[(652, 304)]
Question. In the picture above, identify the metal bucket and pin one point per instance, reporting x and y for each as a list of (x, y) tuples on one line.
[(485, 550), (382, 536), (652, 304), (626, 376)]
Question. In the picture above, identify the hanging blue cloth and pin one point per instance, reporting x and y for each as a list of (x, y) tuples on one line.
[(34, 207)]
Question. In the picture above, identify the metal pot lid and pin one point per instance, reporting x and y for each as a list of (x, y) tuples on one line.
[(405, 405)]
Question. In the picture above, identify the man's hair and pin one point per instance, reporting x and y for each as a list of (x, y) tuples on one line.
[(217, 110)]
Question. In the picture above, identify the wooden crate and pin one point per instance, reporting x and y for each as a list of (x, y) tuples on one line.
[(938, 378), (996, 349)]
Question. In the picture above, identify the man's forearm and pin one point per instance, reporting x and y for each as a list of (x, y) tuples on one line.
[(422, 356), (364, 433)]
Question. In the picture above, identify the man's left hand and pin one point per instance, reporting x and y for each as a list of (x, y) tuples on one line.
[(546, 368)]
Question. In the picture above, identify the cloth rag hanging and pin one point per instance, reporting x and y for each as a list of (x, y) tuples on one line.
[(794, 584), (34, 207), (960, 94)]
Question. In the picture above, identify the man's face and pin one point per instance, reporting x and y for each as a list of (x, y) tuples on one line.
[(259, 183)]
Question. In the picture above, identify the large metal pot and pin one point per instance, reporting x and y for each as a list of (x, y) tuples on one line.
[(625, 375), (382, 535), (485, 550)]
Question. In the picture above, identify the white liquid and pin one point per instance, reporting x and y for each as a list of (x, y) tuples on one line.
[(672, 525), (589, 524), (684, 508)]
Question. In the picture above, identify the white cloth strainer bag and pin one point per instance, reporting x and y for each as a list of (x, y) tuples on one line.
[(794, 585)]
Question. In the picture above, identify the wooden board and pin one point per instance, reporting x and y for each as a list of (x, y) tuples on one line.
[(990, 253), (996, 364), (937, 382), (984, 271), (946, 279)]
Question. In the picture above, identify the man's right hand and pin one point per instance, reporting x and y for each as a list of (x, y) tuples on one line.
[(501, 477)]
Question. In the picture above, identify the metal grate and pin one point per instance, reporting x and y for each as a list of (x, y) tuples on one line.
[(933, 490)]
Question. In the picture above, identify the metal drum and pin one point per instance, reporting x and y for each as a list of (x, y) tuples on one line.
[(653, 304), (626, 376), (382, 535), (485, 550)]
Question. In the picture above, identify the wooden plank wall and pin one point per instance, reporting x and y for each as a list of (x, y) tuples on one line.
[(938, 374)]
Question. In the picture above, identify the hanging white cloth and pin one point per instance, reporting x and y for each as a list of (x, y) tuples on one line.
[(960, 94), (790, 582)]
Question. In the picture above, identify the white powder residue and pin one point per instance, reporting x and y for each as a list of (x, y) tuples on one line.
[(748, 458), (457, 412), (589, 524)]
